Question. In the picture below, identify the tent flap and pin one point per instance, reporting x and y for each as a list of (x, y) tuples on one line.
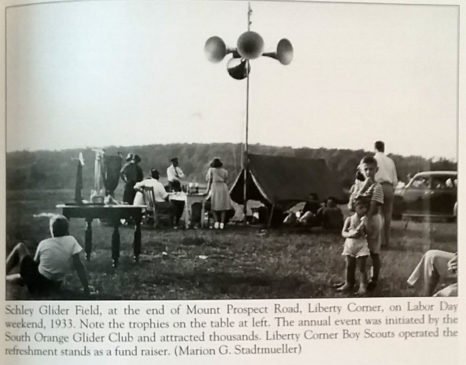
[(280, 179)]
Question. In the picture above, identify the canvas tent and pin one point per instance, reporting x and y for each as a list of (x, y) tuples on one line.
[(283, 181)]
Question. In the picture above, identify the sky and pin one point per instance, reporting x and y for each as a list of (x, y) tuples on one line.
[(88, 74)]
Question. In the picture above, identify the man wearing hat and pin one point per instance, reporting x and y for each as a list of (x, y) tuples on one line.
[(174, 175), (131, 173)]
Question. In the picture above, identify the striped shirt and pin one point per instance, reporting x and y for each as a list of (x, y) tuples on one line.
[(373, 190)]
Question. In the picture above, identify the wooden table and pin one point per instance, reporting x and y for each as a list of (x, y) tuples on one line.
[(189, 200), (114, 213)]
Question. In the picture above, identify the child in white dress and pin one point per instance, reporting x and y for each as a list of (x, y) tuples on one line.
[(356, 248)]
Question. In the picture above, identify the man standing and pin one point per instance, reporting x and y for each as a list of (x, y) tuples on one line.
[(386, 176), (174, 175), (131, 173), (112, 168)]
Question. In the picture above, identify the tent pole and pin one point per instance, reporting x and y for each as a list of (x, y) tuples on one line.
[(246, 151), (269, 223), (246, 144), (245, 178)]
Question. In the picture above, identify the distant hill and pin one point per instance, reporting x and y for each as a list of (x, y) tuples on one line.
[(57, 169)]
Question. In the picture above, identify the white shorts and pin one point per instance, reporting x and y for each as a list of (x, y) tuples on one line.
[(356, 247)]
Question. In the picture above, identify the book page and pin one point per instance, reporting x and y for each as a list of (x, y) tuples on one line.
[(134, 132)]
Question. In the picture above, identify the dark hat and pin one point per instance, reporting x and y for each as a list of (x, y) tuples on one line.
[(216, 163), (173, 159)]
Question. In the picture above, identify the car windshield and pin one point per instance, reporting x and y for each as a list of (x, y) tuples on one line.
[(434, 182), (420, 182)]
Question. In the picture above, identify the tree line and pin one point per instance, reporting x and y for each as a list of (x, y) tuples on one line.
[(57, 169)]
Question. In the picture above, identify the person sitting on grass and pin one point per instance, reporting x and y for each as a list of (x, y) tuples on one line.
[(309, 212), (356, 248), (54, 258), (330, 215)]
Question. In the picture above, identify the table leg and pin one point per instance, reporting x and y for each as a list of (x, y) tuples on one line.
[(88, 239), (137, 238), (203, 214), (187, 213), (115, 243)]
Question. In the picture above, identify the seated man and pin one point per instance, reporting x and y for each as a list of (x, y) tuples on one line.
[(435, 266), (55, 257), (162, 204), (160, 193), (331, 216)]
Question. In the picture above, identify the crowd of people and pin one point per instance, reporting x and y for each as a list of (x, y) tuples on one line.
[(217, 189), (368, 229), (365, 230)]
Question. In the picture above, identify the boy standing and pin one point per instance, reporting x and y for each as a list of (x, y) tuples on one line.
[(374, 191)]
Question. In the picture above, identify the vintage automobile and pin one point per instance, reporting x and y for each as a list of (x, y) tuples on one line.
[(429, 194)]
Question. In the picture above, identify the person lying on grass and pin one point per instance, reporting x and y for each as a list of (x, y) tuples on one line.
[(54, 258), (434, 267), (356, 248)]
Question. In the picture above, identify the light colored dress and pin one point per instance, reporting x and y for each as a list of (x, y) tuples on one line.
[(356, 247), (219, 195)]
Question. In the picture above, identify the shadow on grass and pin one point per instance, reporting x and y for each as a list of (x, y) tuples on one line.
[(192, 241), (237, 285)]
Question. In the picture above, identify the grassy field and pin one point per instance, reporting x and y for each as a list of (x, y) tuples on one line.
[(240, 262)]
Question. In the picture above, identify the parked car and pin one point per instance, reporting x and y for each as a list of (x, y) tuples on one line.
[(429, 194)]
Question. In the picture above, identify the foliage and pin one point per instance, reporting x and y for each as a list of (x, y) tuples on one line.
[(57, 169)]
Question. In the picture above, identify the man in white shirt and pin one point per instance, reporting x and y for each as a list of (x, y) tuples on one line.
[(162, 203), (174, 175), (55, 257), (160, 194), (387, 177)]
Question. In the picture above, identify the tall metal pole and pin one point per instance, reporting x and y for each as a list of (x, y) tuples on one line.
[(246, 138)]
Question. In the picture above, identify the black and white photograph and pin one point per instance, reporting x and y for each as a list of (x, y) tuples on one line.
[(207, 150)]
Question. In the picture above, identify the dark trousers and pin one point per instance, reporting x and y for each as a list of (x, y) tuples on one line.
[(129, 193), (178, 207), (174, 185)]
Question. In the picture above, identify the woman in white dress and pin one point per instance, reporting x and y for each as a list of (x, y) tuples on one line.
[(219, 196)]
